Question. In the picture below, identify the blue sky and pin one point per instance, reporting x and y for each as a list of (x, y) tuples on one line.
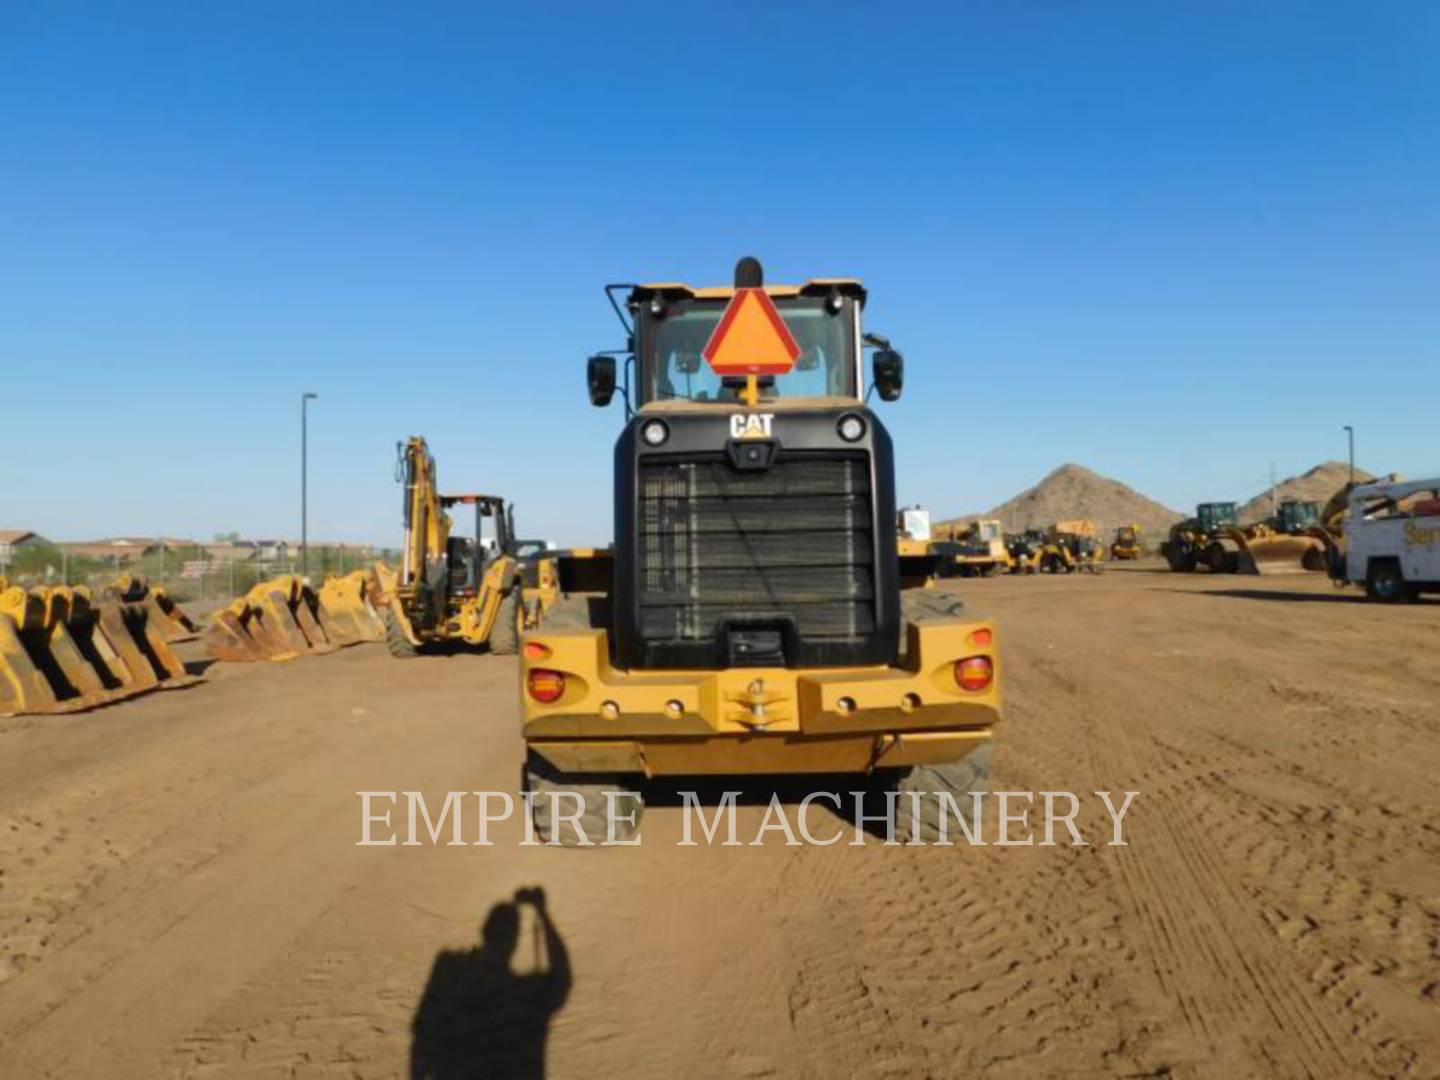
[(1175, 243)]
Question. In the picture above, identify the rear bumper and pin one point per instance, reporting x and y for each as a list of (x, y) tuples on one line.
[(760, 720)]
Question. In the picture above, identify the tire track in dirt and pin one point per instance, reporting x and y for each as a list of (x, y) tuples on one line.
[(1207, 910)]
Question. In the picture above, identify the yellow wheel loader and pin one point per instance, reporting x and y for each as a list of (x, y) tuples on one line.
[(452, 589), (1188, 547), (1215, 540), (754, 620), (1126, 545)]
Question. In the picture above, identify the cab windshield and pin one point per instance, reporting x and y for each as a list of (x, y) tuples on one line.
[(673, 369), (1215, 514)]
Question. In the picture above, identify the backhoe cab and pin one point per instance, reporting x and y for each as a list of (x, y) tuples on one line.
[(452, 588), (754, 620)]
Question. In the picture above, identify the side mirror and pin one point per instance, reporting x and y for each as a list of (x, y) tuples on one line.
[(600, 376), (889, 368)]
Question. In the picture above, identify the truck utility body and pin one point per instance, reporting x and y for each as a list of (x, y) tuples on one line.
[(1392, 540)]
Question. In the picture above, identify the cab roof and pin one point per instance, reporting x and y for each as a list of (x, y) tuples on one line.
[(675, 290)]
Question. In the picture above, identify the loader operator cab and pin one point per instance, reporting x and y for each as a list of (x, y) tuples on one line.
[(468, 557), (752, 533), (1295, 517), (1212, 516)]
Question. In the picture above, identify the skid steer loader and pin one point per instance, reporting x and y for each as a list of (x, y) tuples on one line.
[(450, 588), (754, 621)]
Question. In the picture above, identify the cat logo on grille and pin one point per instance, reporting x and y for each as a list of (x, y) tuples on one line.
[(751, 425)]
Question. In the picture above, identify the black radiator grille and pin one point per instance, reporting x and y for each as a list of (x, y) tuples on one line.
[(718, 543)]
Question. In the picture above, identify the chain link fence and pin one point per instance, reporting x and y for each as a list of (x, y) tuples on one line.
[(196, 573)]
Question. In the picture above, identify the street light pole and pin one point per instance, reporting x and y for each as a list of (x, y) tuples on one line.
[(1350, 431), (305, 400)]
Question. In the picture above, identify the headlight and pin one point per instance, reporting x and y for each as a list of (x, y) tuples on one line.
[(851, 427), (654, 432)]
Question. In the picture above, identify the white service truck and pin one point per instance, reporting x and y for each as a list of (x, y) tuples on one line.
[(1392, 540)]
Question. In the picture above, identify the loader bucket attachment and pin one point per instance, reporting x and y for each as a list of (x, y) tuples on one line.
[(276, 620), (165, 613), (1279, 553), (346, 614), (60, 653), (382, 580), (228, 636)]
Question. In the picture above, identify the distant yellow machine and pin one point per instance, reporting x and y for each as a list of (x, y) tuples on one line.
[(449, 587), (1070, 546), (1126, 545), (977, 550)]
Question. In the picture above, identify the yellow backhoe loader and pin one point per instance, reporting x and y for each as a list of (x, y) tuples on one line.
[(754, 620), (1070, 546), (457, 589), (1025, 549)]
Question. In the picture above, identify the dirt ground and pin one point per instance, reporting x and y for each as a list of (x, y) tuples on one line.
[(181, 893)]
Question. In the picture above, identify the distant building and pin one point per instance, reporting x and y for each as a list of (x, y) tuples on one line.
[(248, 550), (13, 540), (269, 550), (116, 548)]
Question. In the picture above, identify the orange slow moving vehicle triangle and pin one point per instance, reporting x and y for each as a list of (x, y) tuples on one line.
[(751, 338)]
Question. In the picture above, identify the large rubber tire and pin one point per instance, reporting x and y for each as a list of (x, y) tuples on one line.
[(545, 780), (1385, 583), (959, 779), (505, 634), (1181, 558), (398, 645), (1222, 559)]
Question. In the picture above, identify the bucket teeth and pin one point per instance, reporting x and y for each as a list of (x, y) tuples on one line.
[(165, 613), (60, 652)]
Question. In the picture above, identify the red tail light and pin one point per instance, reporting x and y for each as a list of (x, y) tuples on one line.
[(974, 672), (545, 686)]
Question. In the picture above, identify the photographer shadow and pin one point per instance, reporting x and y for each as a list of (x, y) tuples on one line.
[(477, 1018)]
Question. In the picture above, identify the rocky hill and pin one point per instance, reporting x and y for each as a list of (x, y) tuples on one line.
[(1317, 485), (1073, 491)]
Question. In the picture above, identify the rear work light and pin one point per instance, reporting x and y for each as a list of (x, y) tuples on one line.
[(545, 686), (974, 672)]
